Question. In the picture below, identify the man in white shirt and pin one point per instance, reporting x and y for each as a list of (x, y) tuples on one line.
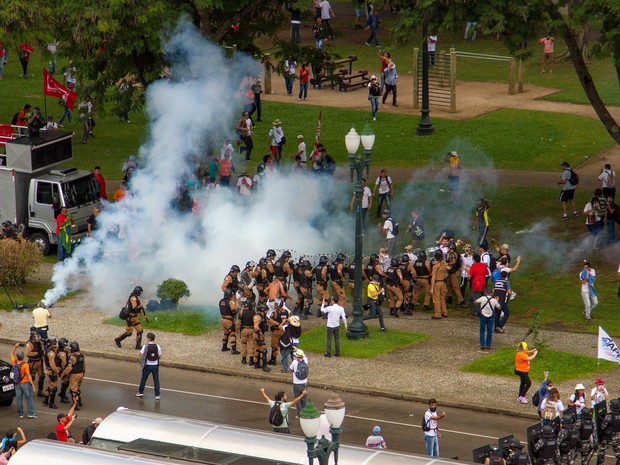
[(244, 184), (431, 417), (334, 313), (301, 149), (388, 229), (300, 376), (149, 356), (41, 314), (386, 191), (326, 14), (366, 202), (432, 46)]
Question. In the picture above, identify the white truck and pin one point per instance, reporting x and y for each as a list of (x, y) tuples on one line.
[(32, 193)]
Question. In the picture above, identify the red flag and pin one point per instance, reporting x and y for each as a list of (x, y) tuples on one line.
[(53, 88), (317, 138)]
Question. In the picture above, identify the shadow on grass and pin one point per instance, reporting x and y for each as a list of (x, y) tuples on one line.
[(561, 366)]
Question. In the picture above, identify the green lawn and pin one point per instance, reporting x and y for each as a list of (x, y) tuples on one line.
[(190, 323), (376, 344), (561, 366)]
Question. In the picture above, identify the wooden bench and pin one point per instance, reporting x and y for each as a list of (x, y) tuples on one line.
[(332, 78), (350, 81), (336, 63)]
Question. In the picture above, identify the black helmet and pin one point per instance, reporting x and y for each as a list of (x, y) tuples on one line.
[(374, 257), (52, 340), (250, 264), (323, 260), (234, 269), (74, 346), (494, 449), (452, 246), (516, 444), (262, 307), (271, 253), (394, 262), (341, 257), (286, 254), (614, 405), (138, 290), (262, 262), (421, 255), (438, 255), (62, 343), (228, 292), (34, 334), (306, 263), (547, 432), (567, 419), (404, 258), (586, 414)]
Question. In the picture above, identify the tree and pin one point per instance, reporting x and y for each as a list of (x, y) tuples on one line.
[(173, 290), (515, 21)]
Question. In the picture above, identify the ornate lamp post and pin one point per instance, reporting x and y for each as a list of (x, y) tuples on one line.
[(357, 328), (309, 418), (425, 125)]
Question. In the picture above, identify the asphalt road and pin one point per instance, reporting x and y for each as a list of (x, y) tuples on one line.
[(237, 401)]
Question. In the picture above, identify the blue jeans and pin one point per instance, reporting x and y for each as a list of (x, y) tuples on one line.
[(611, 230), (62, 253), (375, 312), (486, 323), (295, 30), (146, 371), (500, 322), (289, 85), (303, 90), (286, 358), (373, 36), (21, 390), (374, 105), (432, 445), (383, 198), (66, 114)]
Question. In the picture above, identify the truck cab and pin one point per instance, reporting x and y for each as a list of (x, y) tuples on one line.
[(32, 192)]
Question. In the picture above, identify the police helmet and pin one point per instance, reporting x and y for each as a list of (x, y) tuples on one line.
[(567, 419), (234, 269), (306, 263), (340, 257), (286, 254), (62, 343), (452, 246), (228, 292), (262, 262), (494, 449), (271, 253), (52, 340), (404, 258), (438, 255), (374, 257), (516, 444), (614, 405), (394, 262), (138, 290), (34, 334), (323, 260), (250, 264), (586, 414), (421, 255), (547, 432), (74, 346), (262, 308)]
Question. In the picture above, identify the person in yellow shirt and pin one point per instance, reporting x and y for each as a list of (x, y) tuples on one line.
[(375, 294), (522, 369), (454, 175)]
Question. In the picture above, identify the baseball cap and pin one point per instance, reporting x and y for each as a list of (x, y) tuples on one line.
[(299, 353), (504, 246), (376, 430), (599, 381), (565, 163)]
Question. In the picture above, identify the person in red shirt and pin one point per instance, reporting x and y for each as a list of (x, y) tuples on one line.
[(101, 181), (304, 77), (63, 425), (25, 50), (478, 273), (64, 223)]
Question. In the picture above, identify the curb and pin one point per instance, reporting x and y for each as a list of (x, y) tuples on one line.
[(338, 387)]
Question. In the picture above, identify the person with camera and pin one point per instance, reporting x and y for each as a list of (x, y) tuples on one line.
[(430, 427), (334, 313), (523, 357), (36, 122), (64, 422), (599, 393), (376, 295)]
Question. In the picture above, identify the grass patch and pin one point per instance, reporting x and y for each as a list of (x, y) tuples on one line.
[(190, 323), (561, 366), (28, 295), (376, 344)]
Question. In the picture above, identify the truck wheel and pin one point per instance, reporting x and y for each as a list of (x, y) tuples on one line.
[(6, 402), (42, 242)]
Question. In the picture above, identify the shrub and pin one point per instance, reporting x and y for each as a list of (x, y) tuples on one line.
[(173, 289), (18, 260)]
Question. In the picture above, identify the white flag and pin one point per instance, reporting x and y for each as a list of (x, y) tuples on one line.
[(607, 348)]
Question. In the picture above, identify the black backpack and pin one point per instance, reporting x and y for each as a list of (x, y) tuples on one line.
[(574, 177), (302, 370), (425, 426), (16, 373), (275, 415), (152, 353), (15, 118), (124, 313), (395, 229), (536, 399)]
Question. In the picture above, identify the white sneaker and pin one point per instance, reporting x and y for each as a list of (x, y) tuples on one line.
[(513, 295), (139, 395), (157, 397)]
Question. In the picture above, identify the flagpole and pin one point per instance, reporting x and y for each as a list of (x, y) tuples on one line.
[(44, 97)]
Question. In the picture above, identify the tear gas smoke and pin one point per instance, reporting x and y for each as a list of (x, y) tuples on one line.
[(143, 240)]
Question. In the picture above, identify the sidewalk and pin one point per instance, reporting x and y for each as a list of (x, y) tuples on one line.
[(429, 369)]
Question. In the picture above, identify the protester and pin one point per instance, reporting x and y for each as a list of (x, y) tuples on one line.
[(523, 357), (431, 430), (547, 57), (488, 306), (588, 293), (375, 440), (285, 406), (599, 393)]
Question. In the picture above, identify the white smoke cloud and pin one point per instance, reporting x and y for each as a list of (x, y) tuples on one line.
[(289, 212)]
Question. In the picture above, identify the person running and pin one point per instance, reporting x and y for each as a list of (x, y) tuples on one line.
[(523, 357)]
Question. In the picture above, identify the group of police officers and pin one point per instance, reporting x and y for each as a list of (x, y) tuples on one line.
[(61, 362), (560, 442)]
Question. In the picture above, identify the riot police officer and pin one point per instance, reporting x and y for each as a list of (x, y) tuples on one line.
[(282, 268), (374, 267), (52, 370), (63, 358), (407, 272), (517, 456), (321, 276), (296, 277), (231, 280), (245, 330), (269, 258), (247, 281), (133, 320), (610, 431), (439, 289), (393, 280), (279, 316), (453, 260), (337, 278), (546, 448), (74, 372), (228, 311), (568, 440), (495, 456), (260, 328), (588, 441), (35, 352), (305, 287), (261, 279), (422, 278)]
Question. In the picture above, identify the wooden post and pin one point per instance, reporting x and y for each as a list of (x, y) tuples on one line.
[(416, 79), (511, 77), (442, 68), (520, 83), (453, 80)]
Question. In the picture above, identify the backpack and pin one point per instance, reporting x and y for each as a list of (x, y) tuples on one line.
[(549, 412), (478, 282), (395, 229), (425, 426), (302, 370), (536, 399), (152, 354), (285, 340), (16, 373), (611, 180), (574, 177), (124, 313), (15, 118), (7, 443), (495, 275), (492, 262), (275, 415)]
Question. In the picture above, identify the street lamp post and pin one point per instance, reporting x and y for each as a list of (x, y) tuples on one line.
[(357, 328), (310, 419), (425, 125)]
